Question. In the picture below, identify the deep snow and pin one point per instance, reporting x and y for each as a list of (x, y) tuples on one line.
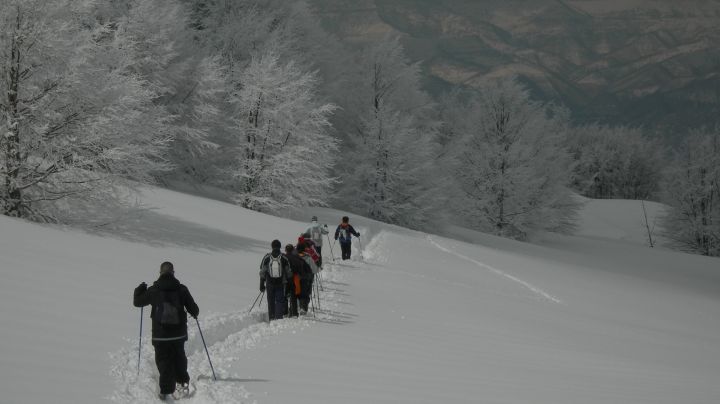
[(413, 318)]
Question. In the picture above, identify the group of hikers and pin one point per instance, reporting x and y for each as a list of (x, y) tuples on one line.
[(287, 278)]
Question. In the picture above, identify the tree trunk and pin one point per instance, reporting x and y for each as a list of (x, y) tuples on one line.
[(13, 157)]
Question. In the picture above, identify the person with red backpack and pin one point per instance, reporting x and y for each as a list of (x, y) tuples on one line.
[(169, 299), (274, 276), (343, 234), (310, 249), (309, 269)]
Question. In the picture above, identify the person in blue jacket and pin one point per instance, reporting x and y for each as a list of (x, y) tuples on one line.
[(343, 234)]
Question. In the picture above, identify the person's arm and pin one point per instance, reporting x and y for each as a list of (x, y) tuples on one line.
[(189, 303), (337, 232), (353, 232), (324, 230), (142, 296), (263, 271)]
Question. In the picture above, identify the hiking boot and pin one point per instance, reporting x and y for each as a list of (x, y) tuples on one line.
[(163, 397)]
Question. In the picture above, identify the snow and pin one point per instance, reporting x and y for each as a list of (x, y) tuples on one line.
[(414, 318)]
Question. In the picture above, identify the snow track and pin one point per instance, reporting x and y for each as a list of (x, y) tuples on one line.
[(227, 336), (527, 285)]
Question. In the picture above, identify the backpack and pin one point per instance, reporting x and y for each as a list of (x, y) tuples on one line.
[(275, 267), (343, 233), (315, 233), (169, 309), (311, 263)]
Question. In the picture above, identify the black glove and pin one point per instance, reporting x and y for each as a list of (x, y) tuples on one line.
[(141, 288), (262, 285), (358, 235)]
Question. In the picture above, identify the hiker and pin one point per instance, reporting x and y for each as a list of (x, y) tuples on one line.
[(274, 274), (300, 270), (169, 299), (344, 234), (307, 275), (315, 233)]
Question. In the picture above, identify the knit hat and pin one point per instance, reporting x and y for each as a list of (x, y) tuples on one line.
[(166, 268), (314, 219)]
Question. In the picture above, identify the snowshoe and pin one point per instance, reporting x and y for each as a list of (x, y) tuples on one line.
[(185, 390)]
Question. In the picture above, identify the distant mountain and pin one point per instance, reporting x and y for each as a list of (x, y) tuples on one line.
[(654, 63)]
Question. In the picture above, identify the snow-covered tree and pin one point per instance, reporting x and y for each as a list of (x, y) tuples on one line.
[(385, 173), (692, 190), (74, 119), (615, 162), (509, 165), (284, 153)]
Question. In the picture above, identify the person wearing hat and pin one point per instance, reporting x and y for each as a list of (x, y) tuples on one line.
[(171, 302), (274, 275), (315, 233)]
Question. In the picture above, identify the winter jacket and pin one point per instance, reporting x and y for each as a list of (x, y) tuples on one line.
[(299, 266), (344, 233), (315, 233), (285, 273), (166, 289)]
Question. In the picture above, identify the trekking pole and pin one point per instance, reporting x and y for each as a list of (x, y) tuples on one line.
[(256, 300), (140, 340), (260, 305), (317, 290), (362, 257), (331, 247), (206, 350), (312, 304)]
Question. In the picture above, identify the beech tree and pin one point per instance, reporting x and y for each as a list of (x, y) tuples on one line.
[(509, 164), (75, 120), (692, 190), (284, 153), (385, 175), (615, 162)]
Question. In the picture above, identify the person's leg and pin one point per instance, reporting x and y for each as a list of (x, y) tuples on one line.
[(319, 251), (346, 248), (293, 305), (270, 290), (280, 302), (181, 373), (165, 361)]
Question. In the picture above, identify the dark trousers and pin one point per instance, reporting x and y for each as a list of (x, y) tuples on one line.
[(293, 305), (277, 303), (319, 251), (171, 363), (346, 248), (306, 286)]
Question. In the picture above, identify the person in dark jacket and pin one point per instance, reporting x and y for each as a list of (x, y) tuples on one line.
[(343, 234), (169, 299), (299, 270), (307, 275), (274, 275)]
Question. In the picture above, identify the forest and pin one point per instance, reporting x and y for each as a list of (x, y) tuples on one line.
[(254, 99)]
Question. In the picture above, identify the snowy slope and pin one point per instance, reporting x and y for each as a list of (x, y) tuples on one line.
[(596, 318)]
